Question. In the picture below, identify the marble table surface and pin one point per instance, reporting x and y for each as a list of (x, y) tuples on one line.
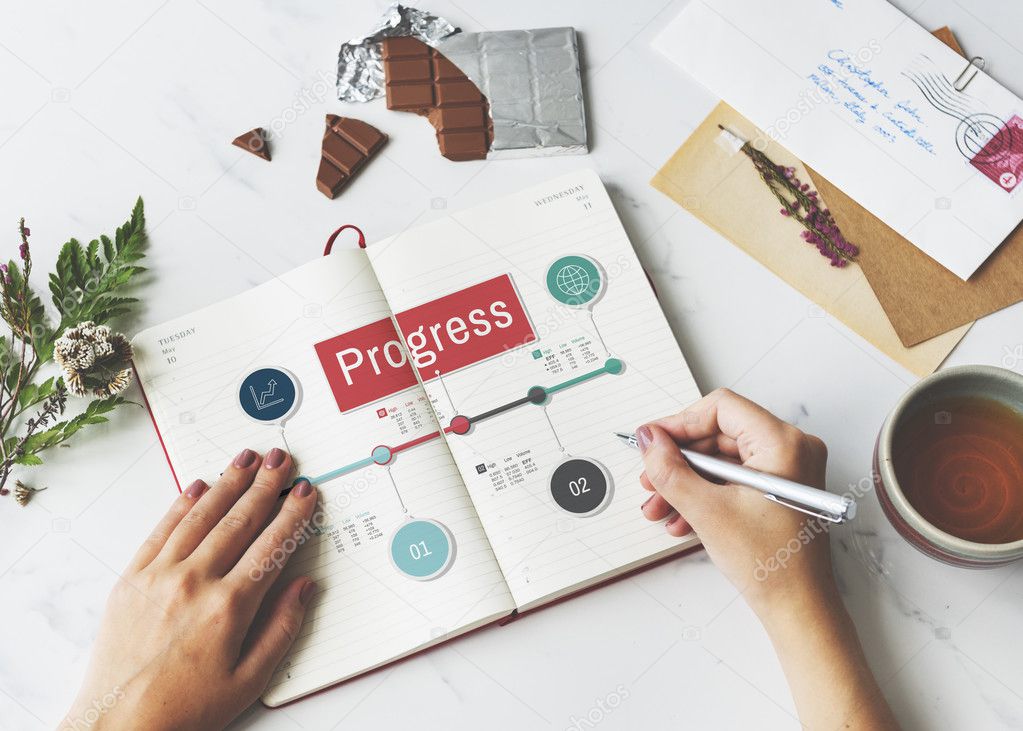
[(106, 101)]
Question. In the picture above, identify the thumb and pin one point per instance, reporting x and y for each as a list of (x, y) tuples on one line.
[(667, 470), (273, 637)]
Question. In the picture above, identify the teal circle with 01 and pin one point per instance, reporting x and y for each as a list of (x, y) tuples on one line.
[(575, 280), (422, 549)]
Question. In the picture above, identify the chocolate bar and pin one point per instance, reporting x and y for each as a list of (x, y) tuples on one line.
[(348, 144), (532, 81), (419, 79), (254, 141)]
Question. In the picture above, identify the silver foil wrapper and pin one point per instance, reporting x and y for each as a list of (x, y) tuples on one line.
[(533, 83), (360, 70)]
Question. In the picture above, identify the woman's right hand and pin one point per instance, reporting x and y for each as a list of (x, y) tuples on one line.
[(780, 559), (768, 551)]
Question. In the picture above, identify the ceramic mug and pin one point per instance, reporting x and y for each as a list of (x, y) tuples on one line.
[(987, 382)]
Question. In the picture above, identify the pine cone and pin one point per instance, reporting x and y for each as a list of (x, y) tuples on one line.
[(94, 358)]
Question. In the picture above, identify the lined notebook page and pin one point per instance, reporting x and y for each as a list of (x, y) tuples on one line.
[(510, 461), (366, 611)]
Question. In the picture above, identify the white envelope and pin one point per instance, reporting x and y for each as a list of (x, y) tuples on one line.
[(868, 98)]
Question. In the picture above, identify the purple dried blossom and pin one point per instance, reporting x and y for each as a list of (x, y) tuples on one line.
[(23, 250), (804, 205)]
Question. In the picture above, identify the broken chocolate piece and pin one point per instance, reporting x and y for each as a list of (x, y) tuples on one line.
[(348, 144), (254, 141), (421, 80)]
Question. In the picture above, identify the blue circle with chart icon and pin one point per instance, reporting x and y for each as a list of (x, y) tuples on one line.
[(269, 395), (422, 549)]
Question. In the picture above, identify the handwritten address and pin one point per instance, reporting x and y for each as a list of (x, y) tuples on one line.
[(867, 100)]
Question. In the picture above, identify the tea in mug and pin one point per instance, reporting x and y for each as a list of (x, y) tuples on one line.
[(959, 462)]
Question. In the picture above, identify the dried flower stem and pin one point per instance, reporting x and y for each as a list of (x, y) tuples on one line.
[(17, 311), (23, 493), (802, 204)]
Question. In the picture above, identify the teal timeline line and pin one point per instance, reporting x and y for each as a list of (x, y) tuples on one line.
[(342, 470), (460, 424), (615, 367)]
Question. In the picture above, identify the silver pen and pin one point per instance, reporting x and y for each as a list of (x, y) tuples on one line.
[(810, 500)]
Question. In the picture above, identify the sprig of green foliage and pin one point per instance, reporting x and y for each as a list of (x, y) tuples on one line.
[(87, 285), (88, 279)]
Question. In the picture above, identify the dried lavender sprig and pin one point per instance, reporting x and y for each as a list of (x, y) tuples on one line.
[(821, 229), (825, 233)]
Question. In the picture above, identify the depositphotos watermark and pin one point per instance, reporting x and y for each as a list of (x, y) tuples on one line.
[(279, 556), (1012, 356), (558, 316), (808, 531), (318, 524), (306, 99), (97, 709), (600, 710), (841, 69)]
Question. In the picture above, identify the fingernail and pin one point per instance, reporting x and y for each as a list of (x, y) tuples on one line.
[(307, 591), (244, 458), (274, 458), (646, 502), (302, 488), (673, 519), (195, 490), (644, 437)]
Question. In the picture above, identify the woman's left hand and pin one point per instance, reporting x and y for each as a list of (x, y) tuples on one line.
[(196, 626)]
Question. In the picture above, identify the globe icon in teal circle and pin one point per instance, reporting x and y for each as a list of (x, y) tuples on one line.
[(575, 280), (572, 280)]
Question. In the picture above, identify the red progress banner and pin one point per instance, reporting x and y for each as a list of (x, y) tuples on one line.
[(465, 327), (454, 331)]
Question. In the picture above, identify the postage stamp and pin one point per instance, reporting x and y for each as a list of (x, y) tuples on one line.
[(1001, 158)]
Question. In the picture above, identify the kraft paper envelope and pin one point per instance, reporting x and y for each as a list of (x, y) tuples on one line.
[(922, 298), (720, 186), (871, 101)]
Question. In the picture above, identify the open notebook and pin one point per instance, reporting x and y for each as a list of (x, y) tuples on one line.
[(452, 392)]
